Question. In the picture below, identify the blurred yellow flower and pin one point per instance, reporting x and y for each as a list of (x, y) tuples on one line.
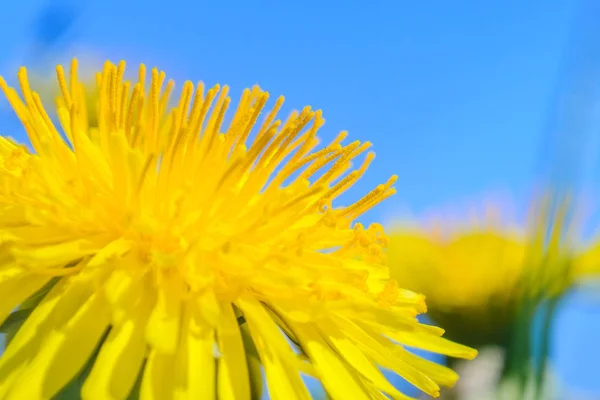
[(49, 91), (469, 280), (586, 261), (142, 243), (476, 274)]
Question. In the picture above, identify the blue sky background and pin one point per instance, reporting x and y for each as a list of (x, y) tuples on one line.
[(455, 96)]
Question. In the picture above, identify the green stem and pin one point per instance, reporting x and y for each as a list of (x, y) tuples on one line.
[(517, 362), (545, 337)]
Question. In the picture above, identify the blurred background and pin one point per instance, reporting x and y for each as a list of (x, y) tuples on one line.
[(470, 103)]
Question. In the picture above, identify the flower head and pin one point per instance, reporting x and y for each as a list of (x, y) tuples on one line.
[(469, 278), (157, 245), (587, 261), (478, 273)]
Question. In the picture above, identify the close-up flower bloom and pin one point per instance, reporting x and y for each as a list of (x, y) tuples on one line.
[(154, 245)]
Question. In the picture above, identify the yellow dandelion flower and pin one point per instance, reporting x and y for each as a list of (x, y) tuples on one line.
[(587, 261), (477, 273), (157, 244), (469, 278)]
